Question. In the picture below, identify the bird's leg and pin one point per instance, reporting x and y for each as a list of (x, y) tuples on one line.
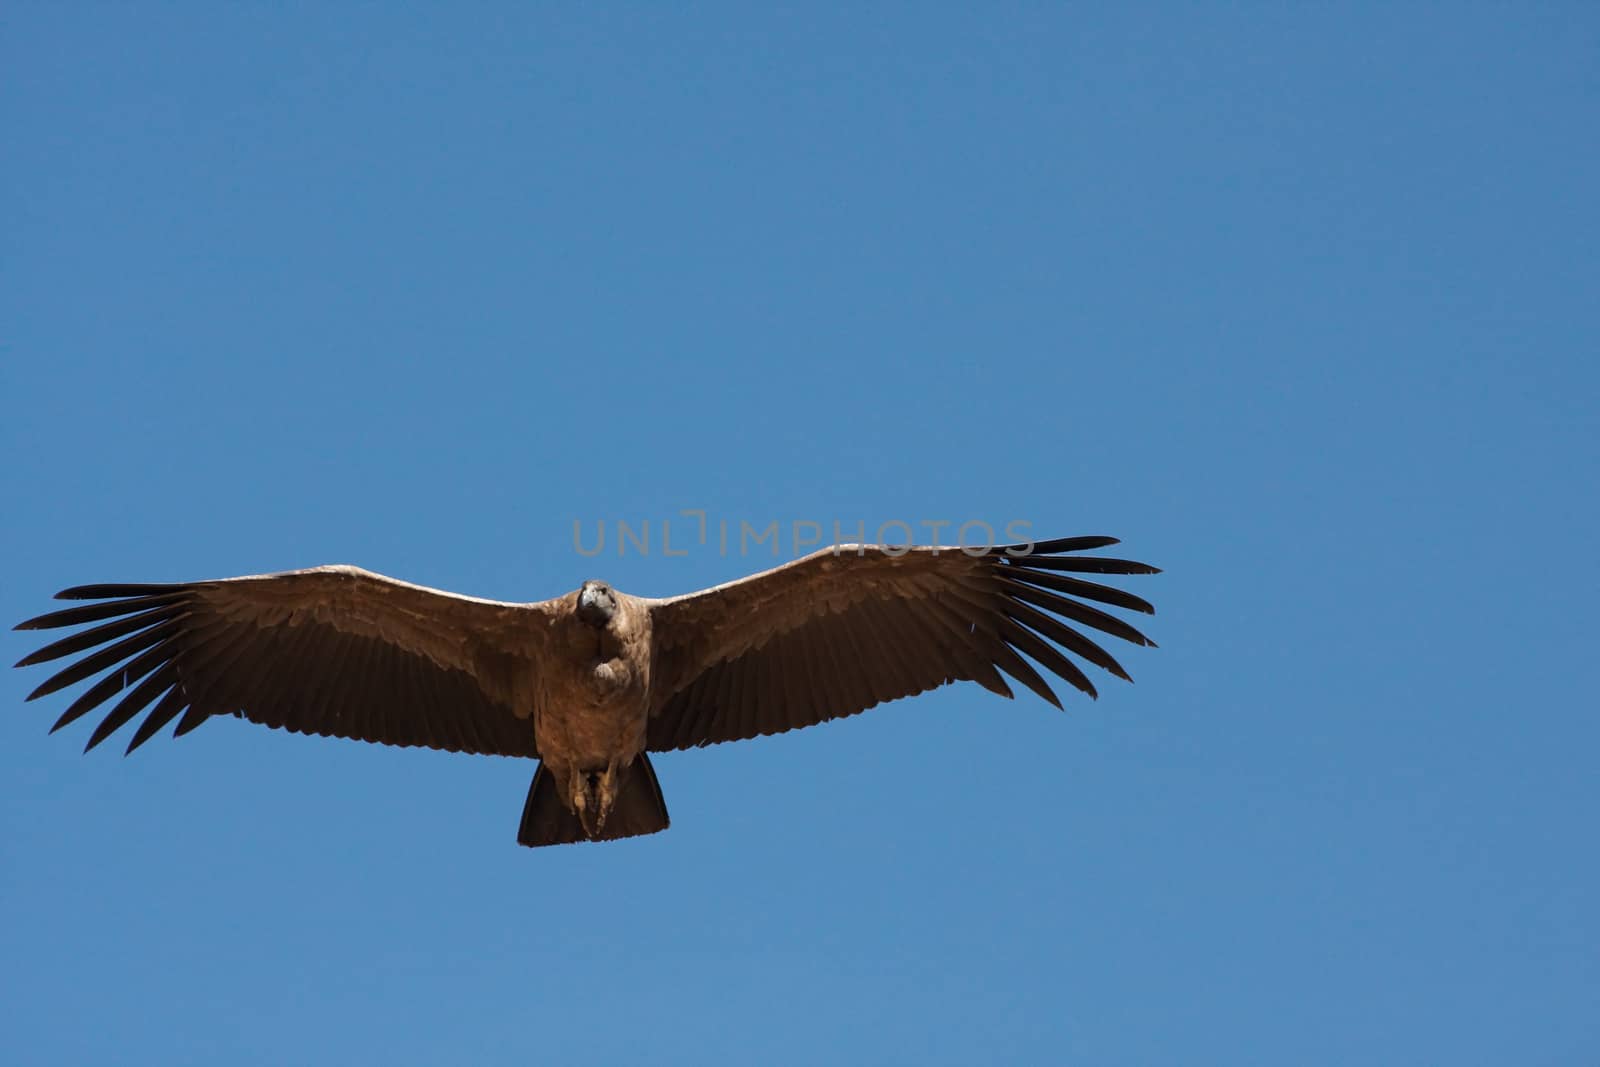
[(580, 802), (607, 789), (593, 793)]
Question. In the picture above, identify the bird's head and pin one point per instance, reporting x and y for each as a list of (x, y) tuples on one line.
[(596, 604)]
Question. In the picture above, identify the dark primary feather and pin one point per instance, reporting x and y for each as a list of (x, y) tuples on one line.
[(839, 632), (1103, 594), (96, 635), (1062, 544), (1089, 564), (333, 650), (117, 591), (91, 613)]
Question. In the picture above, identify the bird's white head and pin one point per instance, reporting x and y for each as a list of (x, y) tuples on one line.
[(596, 604)]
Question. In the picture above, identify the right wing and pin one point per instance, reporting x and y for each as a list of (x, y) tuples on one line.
[(845, 629)]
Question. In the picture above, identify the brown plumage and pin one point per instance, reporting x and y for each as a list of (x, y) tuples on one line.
[(589, 682)]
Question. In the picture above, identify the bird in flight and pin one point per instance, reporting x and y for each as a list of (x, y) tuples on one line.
[(591, 682)]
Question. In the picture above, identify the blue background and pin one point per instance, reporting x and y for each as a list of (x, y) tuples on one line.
[(1300, 304)]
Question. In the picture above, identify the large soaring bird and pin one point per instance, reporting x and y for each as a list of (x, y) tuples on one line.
[(589, 682)]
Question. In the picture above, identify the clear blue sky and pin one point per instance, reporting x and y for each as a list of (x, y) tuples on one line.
[(1301, 305)]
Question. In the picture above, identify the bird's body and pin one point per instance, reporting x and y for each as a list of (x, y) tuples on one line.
[(591, 682), (592, 710)]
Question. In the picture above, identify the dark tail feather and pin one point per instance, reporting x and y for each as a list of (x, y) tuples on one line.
[(639, 809)]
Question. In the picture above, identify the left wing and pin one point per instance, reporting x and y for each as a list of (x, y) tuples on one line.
[(847, 628)]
